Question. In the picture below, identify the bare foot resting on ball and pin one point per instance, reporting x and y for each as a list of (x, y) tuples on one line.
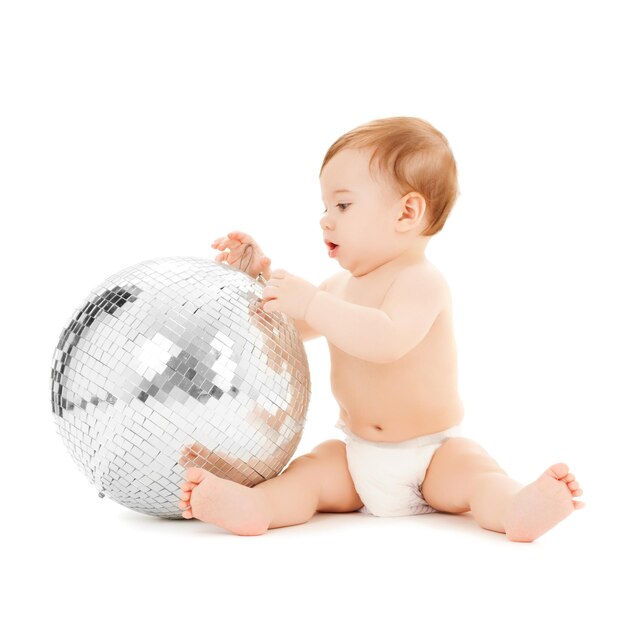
[(225, 503)]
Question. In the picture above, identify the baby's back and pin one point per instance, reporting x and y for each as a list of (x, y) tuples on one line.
[(412, 396)]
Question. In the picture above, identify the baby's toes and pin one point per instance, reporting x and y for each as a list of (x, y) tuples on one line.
[(559, 470), (195, 474), (185, 503), (185, 494), (574, 487)]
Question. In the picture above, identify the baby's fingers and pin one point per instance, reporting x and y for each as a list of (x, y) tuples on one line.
[(220, 242), (241, 236), (230, 242)]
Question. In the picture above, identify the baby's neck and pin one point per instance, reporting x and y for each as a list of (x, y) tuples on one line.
[(411, 256)]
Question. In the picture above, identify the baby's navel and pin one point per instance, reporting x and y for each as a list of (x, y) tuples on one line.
[(378, 427)]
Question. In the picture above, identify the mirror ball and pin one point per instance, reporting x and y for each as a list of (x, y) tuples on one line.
[(176, 352)]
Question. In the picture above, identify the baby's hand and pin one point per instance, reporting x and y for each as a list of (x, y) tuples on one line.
[(289, 294), (240, 245)]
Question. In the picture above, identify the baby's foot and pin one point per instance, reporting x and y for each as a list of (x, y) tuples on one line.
[(225, 503), (542, 504)]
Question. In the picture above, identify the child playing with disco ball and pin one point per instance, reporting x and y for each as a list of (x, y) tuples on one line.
[(388, 186)]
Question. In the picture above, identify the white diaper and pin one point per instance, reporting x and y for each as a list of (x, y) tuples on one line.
[(388, 476)]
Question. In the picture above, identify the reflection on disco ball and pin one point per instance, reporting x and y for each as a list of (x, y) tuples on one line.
[(178, 352)]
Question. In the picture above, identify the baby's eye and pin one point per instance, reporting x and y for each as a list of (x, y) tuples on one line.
[(341, 204)]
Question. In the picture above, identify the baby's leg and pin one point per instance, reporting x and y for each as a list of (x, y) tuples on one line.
[(318, 481), (463, 477)]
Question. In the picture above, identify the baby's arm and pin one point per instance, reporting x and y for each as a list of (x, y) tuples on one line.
[(383, 335), (306, 331)]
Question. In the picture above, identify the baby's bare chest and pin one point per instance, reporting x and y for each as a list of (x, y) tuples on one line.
[(414, 392)]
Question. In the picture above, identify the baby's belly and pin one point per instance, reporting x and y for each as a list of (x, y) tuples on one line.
[(390, 408), (382, 427)]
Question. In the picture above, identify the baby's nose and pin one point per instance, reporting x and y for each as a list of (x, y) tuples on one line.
[(326, 226)]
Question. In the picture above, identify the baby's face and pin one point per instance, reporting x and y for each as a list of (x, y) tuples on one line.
[(362, 219)]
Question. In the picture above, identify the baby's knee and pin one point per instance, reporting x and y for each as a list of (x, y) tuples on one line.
[(471, 454), (331, 447)]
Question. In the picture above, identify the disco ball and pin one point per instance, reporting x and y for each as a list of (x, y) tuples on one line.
[(177, 352)]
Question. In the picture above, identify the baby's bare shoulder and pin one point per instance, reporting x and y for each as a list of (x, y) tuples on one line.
[(422, 277), (424, 271), (440, 280)]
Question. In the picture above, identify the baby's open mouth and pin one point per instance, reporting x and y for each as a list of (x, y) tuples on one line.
[(332, 249)]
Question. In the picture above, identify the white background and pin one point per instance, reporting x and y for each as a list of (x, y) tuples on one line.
[(132, 130)]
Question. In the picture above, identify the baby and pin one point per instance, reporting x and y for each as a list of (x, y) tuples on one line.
[(387, 186)]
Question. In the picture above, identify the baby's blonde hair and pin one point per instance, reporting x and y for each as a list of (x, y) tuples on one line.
[(414, 155)]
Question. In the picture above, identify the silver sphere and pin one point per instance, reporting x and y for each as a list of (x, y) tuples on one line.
[(177, 352)]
